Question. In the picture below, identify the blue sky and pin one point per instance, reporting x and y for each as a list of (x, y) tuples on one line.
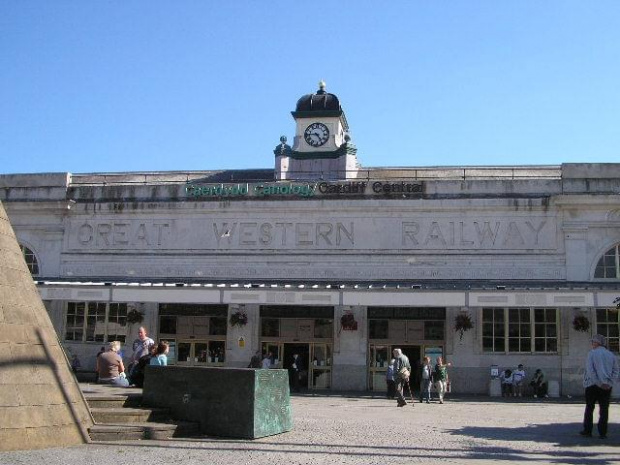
[(153, 85)]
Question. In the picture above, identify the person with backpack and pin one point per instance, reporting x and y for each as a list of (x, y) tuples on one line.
[(402, 371)]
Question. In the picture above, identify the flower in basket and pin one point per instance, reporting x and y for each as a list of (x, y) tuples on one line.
[(134, 316), (581, 323), (239, 318), (462, 323)]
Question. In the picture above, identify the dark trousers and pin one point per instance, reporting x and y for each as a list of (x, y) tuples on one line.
[(294, 380), (391, 389), (400, 385), (595, 394)]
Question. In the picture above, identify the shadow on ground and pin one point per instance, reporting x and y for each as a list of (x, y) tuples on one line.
[(562, 435)]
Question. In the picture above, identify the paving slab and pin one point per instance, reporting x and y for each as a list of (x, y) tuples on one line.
[(365, 429)]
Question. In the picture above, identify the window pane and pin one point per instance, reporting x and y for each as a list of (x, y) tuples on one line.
[(513, 345), (499, 345), (487, 344), (218, 351), (487, 329), (539, 315), (539, 345), (434, 330), (323, 328), (526, 345), (217, 326), (552, 345), (270, 327), (378, 329), (526, 330), (168, 324)]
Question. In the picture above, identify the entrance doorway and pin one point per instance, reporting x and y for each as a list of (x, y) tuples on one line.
[(303, 350), (414, 353)]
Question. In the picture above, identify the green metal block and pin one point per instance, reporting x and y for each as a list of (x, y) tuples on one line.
[(227, 402)]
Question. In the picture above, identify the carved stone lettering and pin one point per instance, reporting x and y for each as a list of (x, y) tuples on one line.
[(485, 234)]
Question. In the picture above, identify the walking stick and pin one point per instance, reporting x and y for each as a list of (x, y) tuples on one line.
[(410, 393)]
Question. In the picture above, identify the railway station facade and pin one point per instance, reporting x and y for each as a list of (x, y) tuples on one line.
[(337, 262)]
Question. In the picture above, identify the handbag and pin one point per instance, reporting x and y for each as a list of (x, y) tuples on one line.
[(404, 373)]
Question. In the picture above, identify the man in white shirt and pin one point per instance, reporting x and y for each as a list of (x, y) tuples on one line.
[(598, 379), (518, 376), (267, 360)]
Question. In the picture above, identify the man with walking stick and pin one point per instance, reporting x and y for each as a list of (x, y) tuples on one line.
[(402, 371)]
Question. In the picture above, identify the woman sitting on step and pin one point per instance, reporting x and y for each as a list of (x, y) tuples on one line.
[(110, 366)]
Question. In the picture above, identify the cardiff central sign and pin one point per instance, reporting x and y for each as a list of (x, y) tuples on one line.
[(303, 189)]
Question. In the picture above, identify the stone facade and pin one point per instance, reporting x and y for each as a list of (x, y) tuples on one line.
[(462, 240)]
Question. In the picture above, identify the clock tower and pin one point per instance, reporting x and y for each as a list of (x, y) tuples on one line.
[(322, 147)]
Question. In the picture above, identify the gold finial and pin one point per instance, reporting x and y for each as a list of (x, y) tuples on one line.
[(322, 84)]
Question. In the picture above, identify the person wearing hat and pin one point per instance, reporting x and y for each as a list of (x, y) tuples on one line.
[(598, 379)]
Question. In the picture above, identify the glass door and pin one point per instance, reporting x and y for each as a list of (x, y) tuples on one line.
[(200, 353), (321, 366), (379, 357)]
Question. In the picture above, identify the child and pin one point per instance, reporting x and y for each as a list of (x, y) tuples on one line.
[(160, 354)]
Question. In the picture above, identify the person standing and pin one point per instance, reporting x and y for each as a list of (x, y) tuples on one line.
[(267, 361), (389, 380), (518, 376), (402, 371), (441, 378), (294, 372), (142, 347), (598, 379), (427, 380), (256, 360)]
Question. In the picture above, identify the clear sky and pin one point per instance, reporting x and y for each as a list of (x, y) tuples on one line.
[(154, 85)]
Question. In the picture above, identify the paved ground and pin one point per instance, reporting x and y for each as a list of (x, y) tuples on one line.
[(336, 429)]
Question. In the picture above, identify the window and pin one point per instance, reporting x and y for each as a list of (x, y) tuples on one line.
[(493, 330), (378, 329), (434, 330), (31, 260), (608, 324), (608, 267), (520, 330), (96, 322)]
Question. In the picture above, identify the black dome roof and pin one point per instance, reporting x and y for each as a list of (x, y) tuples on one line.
[(321, 102)]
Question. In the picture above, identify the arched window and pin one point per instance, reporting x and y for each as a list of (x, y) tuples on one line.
[(31, 260), (609, 265)]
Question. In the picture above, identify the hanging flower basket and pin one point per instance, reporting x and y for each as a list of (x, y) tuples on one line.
[(239, 318), (462, 323), (135, 316), (581, 323)]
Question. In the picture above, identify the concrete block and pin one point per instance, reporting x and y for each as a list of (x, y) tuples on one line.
[(553, 388), (495, 388), (228, 402)]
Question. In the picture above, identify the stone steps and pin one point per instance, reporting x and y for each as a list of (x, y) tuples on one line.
[(139, 431), (122, 418)]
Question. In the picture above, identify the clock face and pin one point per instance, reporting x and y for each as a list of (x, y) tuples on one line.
[(316, 134)]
